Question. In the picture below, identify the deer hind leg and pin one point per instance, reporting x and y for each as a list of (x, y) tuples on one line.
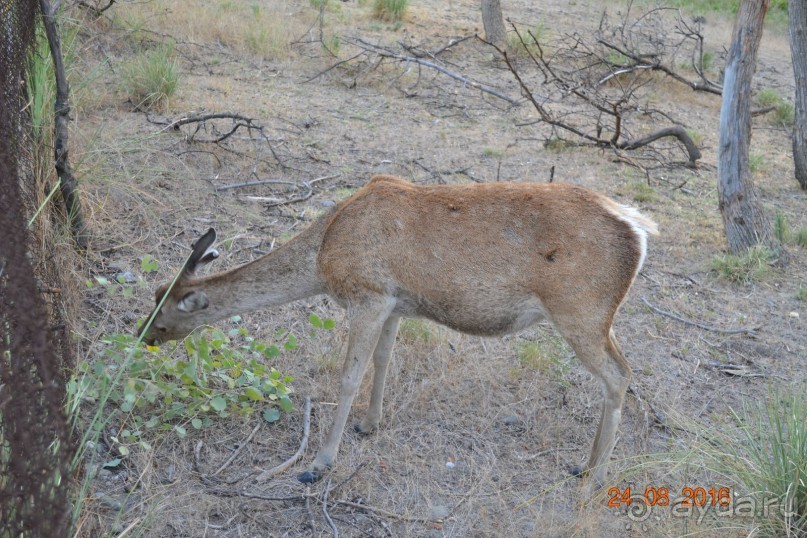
[(366, 322), (381, 359), (602, 357)]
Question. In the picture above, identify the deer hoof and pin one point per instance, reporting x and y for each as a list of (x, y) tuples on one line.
[(309, 477), (358, 429), (577, 471)]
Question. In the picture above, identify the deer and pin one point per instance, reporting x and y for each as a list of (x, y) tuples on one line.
[(484, 259)]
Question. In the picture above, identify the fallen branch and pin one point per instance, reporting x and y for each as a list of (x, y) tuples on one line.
[(325, 509), (254, 183), (742, 330), (387, 53), (382, 512), (303, 444), (676, 131), (237, 450)]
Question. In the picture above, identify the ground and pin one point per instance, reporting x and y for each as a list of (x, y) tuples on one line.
[(478, 435)]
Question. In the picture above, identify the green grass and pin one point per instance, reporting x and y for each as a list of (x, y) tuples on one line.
[(786, 235), (754, 264), (548, 356), (784, 113), (777, 12), (531, 37), (766, 455), (642, 192), (151, 78), (756, 162), (390, 10)]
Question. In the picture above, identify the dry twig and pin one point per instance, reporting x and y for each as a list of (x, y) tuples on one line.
[(303, 444), (741, 330), (237, 450), (325, 509)]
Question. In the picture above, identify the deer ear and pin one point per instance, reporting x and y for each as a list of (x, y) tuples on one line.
[(193, 301), (202, 253)]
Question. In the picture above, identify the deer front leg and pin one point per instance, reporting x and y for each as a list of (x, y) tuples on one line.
[(381, 358), (366, 322)]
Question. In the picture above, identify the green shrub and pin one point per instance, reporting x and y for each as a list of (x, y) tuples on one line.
[(212, 376), (151, 78)]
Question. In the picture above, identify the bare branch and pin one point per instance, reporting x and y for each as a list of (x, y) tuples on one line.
[(265, 475)]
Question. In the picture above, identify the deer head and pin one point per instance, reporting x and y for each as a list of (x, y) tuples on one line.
[(183, 303)]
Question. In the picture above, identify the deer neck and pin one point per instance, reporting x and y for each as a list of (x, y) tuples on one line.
[(284, 275)]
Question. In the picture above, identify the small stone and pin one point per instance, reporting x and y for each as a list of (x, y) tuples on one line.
[(450, 464), (126, 277), (794, 314), (439, 512), (512, 420)]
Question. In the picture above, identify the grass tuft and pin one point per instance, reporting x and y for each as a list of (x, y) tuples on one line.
[(151, 78), (769, 460), (390, 10), (754, 264)]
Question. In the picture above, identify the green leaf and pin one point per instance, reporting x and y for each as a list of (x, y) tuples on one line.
[(148, 264), (291, 343), (253, 394), (271, 352), (218, 403), (328, 324), (271, 414), (181, 432), (111, 464), (197, 423), (315, 321), (286, 404), (123, 450)]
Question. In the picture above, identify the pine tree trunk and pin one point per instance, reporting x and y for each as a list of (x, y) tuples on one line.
[(493, 22), (798, 48), (744, 221)]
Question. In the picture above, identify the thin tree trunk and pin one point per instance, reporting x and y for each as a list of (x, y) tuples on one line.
[(744, 221), (62, 118), (493, 22), (798, 48)]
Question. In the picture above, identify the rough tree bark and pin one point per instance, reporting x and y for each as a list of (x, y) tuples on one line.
[(798, 48), (60, 138), (744, 221), (493, 22)]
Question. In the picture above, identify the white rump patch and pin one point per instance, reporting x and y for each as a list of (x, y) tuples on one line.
[(640, 225)]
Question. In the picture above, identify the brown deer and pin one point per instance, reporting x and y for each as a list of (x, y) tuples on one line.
[(484, 259)]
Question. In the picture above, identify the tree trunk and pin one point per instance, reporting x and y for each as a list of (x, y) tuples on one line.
[(798, 48), (493, 21), (744, 221)]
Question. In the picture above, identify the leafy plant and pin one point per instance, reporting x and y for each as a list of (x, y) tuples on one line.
[(214, 376), (151, 78), (527, 43)]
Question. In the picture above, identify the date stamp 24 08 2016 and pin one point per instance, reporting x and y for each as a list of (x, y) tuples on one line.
[(697, 501)]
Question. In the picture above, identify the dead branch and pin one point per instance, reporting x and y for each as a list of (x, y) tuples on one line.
[(675, 131), (384, 52), (742, 330), (311, 522), (325, 509), (237, 450), (61, 108), (697, 85), (571, 81), (254, 184), (381, 511), (95, 10), (303, 444)]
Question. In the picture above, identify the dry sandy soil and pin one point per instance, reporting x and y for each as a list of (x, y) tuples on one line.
[(511, 418)]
